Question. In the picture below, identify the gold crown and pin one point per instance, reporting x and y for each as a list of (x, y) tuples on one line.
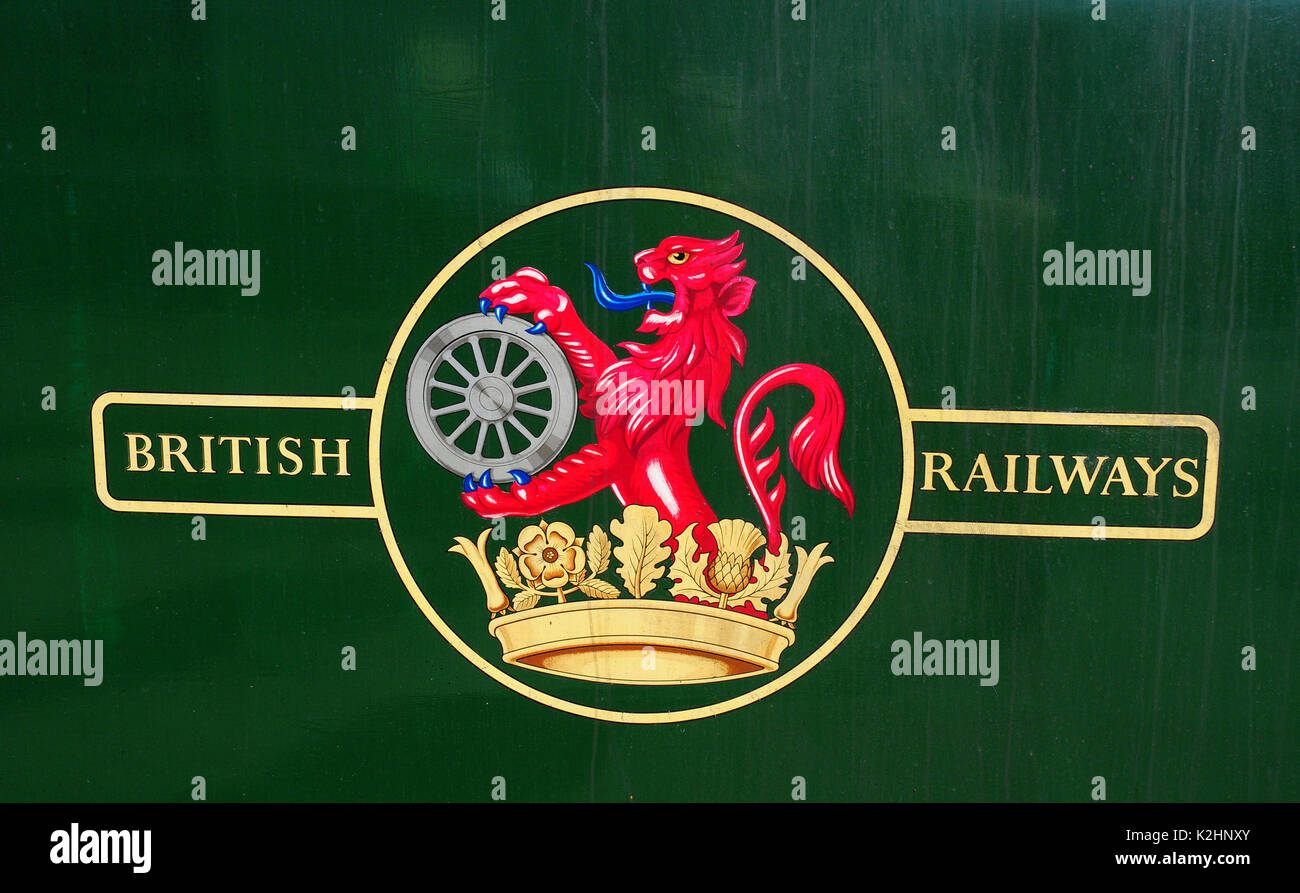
[(731, 613)]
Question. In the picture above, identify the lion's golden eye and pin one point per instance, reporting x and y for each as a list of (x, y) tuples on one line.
[(678, 257)]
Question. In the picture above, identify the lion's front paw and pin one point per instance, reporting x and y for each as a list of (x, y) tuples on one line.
[(526, 292), (482, 495), (486, 503)]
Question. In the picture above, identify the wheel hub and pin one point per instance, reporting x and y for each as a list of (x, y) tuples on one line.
[(491, 399)]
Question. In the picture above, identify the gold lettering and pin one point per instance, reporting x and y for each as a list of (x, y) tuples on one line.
[(321, 456), (1184, 476), (931, 471), (261, 455), (235, 467), (207, 454), (1032, 482), (1145, 463), (1119, 473), (1011, 474), (138, 445), (165, 442), (1079, 471), (289, 454), (982, 471), (173, 455)]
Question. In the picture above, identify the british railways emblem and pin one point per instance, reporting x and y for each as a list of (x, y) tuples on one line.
[(659, 465)]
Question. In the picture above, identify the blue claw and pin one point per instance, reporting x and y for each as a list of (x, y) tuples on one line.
[(485, 479), (485, 304), (500, 312), (469, 483), (538, 328), (521, 477)]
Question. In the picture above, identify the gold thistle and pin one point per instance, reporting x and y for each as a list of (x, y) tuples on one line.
[(731, 569), (761, 580)]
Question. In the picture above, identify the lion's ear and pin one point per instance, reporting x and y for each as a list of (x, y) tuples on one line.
[(735, 295)]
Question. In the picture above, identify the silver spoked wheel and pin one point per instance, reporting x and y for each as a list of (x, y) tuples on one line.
[(487, 396)]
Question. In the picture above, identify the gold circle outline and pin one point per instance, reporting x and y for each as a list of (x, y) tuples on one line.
[(650, 193)]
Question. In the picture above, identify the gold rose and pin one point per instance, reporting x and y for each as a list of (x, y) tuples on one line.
[(551, 558)]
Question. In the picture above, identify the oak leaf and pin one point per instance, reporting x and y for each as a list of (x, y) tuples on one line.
[(643, 534)]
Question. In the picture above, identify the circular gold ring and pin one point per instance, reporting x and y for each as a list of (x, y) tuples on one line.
[(648, 193)]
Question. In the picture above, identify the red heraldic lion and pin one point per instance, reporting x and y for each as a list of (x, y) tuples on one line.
[(641, 451)]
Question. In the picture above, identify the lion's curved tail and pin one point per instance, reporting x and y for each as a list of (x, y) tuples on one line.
[(814, 443)]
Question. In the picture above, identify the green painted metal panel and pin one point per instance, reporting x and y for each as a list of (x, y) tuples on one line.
[(1164, 666)]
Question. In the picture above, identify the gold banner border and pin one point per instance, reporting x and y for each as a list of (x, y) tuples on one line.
[(241, 401), (1209, 496)]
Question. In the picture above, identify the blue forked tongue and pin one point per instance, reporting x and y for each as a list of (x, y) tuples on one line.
[(610, 300)]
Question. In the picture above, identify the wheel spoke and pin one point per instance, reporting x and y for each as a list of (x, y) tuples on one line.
[(460, 429), (443, 386), (478, 355), (448, 409), (501, 355), (522, 430), (505, 445), (524, 364), (482, 436), (464, 373), (532, 410), (530, 388)]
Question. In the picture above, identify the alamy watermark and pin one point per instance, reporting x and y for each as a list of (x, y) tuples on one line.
[(57, 657), (631, 395), (90, 847), (1083, 266), (952, 657), (181, 266)]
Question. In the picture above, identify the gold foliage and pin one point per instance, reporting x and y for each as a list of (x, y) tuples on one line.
[(525, 600), (643, 534), (688, 572), (762, 579), (769, 584), (597, 551), (596, 588), (508, 570)]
